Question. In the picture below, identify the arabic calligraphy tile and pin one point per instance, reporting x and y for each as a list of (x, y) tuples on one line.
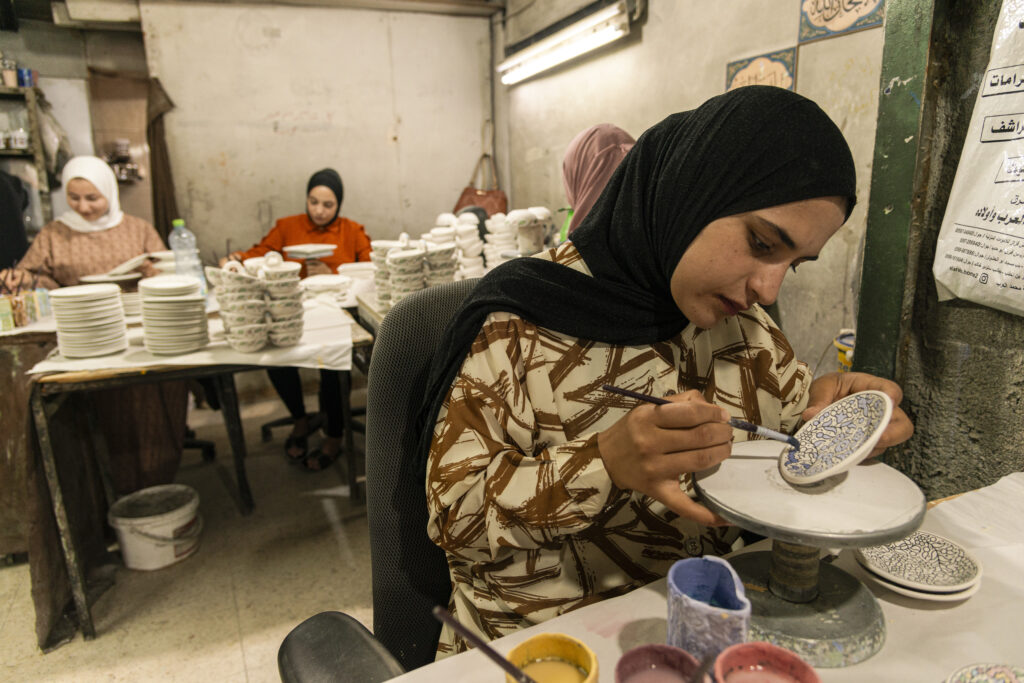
[(837, 438), (923, 561)]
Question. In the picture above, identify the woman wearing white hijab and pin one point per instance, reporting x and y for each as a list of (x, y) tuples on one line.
[(144, 425), (93, 237)]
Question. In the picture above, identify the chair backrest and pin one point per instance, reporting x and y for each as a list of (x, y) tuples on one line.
[(410, 574)]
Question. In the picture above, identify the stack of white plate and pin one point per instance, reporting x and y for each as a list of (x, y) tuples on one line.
[(925, 566), (132, 302), (173, 314), (90, 320)]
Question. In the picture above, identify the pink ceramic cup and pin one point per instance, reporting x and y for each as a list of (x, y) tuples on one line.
[(657, 664), (759, 662)]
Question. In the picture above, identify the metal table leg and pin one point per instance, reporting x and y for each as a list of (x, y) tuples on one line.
[(41, 417), (229, 407)]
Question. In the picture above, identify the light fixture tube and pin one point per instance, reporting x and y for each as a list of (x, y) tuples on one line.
[(589, 33)]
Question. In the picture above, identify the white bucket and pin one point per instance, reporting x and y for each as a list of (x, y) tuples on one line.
[(157, 526)]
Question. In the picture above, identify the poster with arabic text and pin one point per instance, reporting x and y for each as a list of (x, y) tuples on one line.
[(980, 250), (827, 18)]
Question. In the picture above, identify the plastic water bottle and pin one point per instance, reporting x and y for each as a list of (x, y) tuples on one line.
[(186, 255)]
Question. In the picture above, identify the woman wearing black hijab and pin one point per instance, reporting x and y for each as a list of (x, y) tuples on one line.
[(548, 493), (321, 224)]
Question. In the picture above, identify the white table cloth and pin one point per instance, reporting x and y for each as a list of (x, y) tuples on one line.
[(926, 641), (326, 344)]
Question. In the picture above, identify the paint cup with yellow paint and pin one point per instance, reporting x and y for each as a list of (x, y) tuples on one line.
[(554, 658)]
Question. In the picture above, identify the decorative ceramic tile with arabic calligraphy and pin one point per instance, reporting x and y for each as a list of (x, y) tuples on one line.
[(923, 561), (773, 68), (837, 438), (826, 18), (987, 673)]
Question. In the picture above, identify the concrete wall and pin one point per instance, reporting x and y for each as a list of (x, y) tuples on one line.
[(267, 95), (673, 61), (961, 364)]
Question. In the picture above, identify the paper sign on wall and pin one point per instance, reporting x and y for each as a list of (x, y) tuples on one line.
[(980, 251)]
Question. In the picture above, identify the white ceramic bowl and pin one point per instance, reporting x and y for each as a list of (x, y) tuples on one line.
[(250, 306), (281, 309), (285, 338), (281, 289), (286, 270), (213, 275), (253, 265), (235, 320), (246, 344), (255, 331), (230, 278), (292, 325)]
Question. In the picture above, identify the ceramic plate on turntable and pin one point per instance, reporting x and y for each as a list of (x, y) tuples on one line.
[(987, 673), (931, 596), (923, 561), (837, 438)]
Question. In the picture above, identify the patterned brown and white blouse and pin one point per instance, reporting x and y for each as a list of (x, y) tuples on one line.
[(517, 492)]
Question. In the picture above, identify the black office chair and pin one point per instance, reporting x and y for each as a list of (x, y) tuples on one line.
[(410, 574)]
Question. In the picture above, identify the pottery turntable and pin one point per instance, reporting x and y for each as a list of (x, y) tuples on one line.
[(798, 601)]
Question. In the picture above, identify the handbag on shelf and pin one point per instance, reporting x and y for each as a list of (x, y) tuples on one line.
[(492, 201)]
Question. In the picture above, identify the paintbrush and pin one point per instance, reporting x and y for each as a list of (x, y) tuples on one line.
[(733, 421), (514, 671)]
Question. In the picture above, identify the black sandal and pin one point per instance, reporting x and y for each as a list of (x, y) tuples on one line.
[(296, 442), (322, 460)]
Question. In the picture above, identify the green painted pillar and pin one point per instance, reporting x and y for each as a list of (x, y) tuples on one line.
[(885, 295)]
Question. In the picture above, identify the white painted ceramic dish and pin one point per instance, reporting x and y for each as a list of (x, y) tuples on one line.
[(930, 596), (309, 251), (837, 438), (987, 673), (129, 265), (923, 561)]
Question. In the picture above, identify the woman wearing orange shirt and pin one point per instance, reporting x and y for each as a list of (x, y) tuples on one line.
[(321, 224)]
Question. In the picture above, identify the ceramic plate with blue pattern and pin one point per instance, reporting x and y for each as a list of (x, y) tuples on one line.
[(923, 561), (988, 673), (837, 438)]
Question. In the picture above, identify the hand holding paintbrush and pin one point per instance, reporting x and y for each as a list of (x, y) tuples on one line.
[(650, 448)]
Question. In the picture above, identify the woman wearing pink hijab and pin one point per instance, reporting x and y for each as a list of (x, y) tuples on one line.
[(589, 162)]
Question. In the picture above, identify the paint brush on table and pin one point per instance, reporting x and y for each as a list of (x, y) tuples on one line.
[(441, 614), (733, 421)]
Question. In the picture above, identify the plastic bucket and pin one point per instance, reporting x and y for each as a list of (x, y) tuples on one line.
[(157, 526)]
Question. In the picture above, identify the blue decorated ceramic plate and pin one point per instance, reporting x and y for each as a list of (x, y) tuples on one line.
[(837, 438), (923, 561), (987, 673)]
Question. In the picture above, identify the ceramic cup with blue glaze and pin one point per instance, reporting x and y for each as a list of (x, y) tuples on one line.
[(708, 609)]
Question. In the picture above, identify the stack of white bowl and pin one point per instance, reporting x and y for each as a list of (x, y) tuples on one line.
[(379, 258), (439, 264), (90, 320), (405, 272), (173, 314), (500, 240), (243, 308), (470, 252), (284, 299)]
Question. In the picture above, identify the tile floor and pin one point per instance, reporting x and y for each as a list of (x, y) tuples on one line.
[(221, 614)]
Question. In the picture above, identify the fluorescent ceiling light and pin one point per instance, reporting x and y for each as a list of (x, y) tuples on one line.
[(600, 28)]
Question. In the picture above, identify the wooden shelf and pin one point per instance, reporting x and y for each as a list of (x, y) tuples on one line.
[(30, 101)]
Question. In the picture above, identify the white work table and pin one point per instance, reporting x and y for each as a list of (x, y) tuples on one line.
[(926, 641)]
